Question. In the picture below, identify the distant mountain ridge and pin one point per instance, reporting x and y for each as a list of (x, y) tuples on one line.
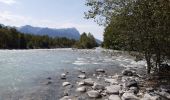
[(71, 33)]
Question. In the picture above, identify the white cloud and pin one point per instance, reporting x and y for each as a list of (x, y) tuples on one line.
[(9, 2)]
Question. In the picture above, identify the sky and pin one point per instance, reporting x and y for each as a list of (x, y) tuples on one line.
[(49, 13)]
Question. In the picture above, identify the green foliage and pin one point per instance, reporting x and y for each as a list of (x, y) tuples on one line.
[(86, 42), (10, 38), (135, 25)]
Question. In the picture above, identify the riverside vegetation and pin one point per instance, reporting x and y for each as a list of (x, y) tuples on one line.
[(135, 25), (10, 38)]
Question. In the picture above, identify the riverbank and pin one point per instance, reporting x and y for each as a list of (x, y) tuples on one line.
[(86, 82)]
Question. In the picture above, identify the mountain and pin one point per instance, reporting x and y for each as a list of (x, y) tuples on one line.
[(71, 33)]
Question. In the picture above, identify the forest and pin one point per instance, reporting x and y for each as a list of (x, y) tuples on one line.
[(10, 38)]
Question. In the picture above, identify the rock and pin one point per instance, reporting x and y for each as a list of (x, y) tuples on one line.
[(150, 89), (94, 75), (131, 83), (63, 76), (82, 76), (134, 89), (93, 94), (129, 96), (97, 86), (100, 70), (127, 72), (89, 82), (81, 83), (113, 89), (81, 89), (48, 82), (66, 84), (49, 78), (66, 98), (164, 94), (103, 93), (65, 93), (114, 97), (112, 81), (148, 96), (82, 71)]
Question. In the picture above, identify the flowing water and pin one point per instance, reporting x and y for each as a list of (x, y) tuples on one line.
[(19, 69)]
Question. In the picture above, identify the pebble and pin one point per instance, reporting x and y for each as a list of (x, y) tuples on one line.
[(114, 97), (113, 89), (93, 94), (81, 89), (82, 76), (66, 83)]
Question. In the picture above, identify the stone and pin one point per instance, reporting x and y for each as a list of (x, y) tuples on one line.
[(48, 82), (97, 86), (81, 83), (66, 83), (100, 70), (81, 89), (88, 81), (103, 93), (150, 89), (112, 81), (131, 83), (114, 97), (148, 96), (129, 96), (49, 78), (82, 71), (63, 76), (164, 94), (66, 98), (93, 94), (113, 89), (127, 72), (134, 89), (82, 76)]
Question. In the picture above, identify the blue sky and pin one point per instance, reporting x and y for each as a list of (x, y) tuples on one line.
[(48, 13)]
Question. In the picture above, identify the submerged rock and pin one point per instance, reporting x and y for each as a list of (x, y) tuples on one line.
[(81, 83), (66, 83), (82, 76), (93, 94), (100, 70), (48, 82)]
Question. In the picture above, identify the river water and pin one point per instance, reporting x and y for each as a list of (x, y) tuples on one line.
[(19, 69)]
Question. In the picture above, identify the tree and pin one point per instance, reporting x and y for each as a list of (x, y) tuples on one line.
[(138, 25), (10, 38), (86, 41)]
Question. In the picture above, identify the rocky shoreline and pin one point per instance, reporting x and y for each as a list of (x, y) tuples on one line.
[(129, 85)]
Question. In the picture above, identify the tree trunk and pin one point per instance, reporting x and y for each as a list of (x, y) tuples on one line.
[(148, 61)]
